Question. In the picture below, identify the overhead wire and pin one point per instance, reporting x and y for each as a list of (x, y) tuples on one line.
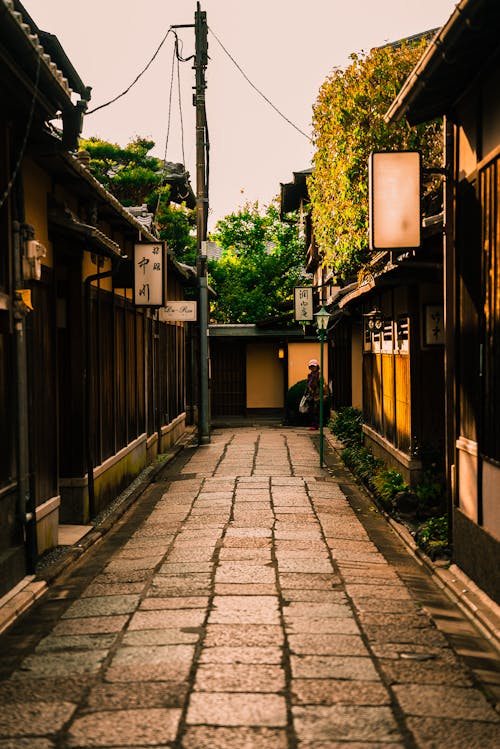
[(169, 117), (245, 76), (186, 59), (136, 79), (180, 59)]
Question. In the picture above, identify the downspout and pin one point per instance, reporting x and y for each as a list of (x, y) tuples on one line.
[(25, 508), (88, 411)]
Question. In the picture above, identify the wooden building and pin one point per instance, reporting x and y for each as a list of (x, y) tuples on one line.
[(394, 319), (252, 368), (458, 77), (92, 387)]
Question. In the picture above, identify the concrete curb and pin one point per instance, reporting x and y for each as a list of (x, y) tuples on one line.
[(29, 590), (481, 610)]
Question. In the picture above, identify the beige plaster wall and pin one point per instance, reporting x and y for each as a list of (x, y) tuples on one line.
[(467, 478), (298, 356), (36, 185), (265, 376), (491, 505)]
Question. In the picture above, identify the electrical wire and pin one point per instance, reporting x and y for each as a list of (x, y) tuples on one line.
[(26, 134), (136, 79), (256, 89), (169, 116), (180, 59)]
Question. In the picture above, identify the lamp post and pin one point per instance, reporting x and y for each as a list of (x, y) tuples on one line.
[(322, 318)]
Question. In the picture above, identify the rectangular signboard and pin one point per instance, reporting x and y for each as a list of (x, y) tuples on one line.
[(178, 312), (303, 303), (149, 274), (394, 191)]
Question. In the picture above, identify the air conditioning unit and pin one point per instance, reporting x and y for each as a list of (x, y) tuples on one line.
[(32, 268), (35, 249)]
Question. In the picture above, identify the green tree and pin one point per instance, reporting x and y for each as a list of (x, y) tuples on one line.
[(348, 124), (135, 177), (262, 260)]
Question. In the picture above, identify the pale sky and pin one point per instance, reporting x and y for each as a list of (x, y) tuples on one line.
[(287, 48)]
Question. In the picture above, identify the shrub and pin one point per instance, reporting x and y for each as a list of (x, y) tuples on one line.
[(387, 483), (346, 424), (430, 492), (292, 400), (432, 536), (362, 462)]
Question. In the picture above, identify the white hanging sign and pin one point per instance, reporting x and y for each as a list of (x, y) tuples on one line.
[(394, 192), (149, 274), (178, 312)]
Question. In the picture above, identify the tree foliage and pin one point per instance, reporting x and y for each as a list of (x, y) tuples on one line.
[(348, 124), (135, 177), (262, 261)]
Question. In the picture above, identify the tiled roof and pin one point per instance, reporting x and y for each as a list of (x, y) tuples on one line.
[(34, 40)]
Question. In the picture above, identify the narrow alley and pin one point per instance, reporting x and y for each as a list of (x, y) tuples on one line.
[(248, 599)]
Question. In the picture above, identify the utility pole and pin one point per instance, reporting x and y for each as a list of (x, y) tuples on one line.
[(202, 146), (201, 61)]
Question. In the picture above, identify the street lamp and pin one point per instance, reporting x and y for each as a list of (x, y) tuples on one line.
[(322, 318)]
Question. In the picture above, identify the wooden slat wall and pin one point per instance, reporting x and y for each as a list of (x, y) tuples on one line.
[(403, 407), (387, 392), (388, 399), (228, 379), (489, 197), (42, 368)]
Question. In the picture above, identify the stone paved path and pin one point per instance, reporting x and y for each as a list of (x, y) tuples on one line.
[(248, 600)]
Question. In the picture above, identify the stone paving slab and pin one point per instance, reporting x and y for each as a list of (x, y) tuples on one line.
[(249, 604), (209, 737), (338, 692), (240, 677), (358, 723), (149, 727), (236, 709)]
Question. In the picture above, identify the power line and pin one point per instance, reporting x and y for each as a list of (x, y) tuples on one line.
[(185, 59), (256, 89), (180, 59), (137, 78)]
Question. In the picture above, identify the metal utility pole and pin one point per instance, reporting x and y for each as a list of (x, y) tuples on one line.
[(201, 60)]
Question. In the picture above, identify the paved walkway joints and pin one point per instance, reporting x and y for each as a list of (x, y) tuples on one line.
[(248, 600)]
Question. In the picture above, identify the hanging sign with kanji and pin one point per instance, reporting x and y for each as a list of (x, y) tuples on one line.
[(149, 274), (303, 303)]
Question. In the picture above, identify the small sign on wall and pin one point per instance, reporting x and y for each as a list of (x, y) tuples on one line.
[(303, 303), (178, 312), (149, 274), (433, 325)]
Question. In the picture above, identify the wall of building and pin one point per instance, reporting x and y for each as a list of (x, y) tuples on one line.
[(37, 185), (265, 376), (298, 356), (357, 367)]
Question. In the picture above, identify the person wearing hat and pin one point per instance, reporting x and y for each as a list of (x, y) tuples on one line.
[(313, 390)]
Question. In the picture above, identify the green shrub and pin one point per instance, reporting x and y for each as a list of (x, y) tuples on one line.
[(432, 536), (294, 395), (346, 424), (387, 483), (362, 462), (430, 492), (292, 400)]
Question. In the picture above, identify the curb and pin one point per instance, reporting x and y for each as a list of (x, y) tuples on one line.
[(481, 610), (33, 587)]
